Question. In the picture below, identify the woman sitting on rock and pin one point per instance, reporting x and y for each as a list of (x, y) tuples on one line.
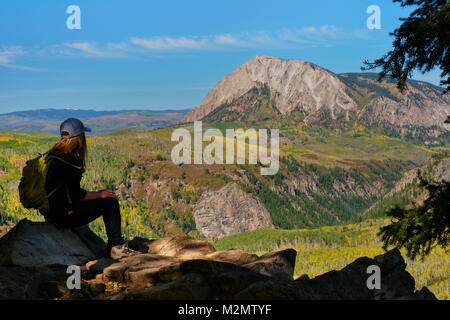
[(71, 206)]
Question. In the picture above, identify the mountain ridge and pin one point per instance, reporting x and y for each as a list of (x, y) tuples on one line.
[(85, 113), (104, 122), (333, 100)]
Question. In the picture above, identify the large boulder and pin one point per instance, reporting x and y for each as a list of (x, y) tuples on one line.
[(41, 244), (228, 211), (91, 240), (279, 265)]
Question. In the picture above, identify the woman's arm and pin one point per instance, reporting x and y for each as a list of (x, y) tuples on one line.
[(103, 194)]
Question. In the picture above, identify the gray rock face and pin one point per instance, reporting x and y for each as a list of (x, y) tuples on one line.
[(330, 99), (442, 171), (409, 112), (228, 211), (296, 83), (41, 244)]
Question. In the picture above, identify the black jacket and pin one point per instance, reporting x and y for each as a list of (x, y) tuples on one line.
[(65, 179)]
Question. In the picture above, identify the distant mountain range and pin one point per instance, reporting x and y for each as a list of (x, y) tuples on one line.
[(101, 122), (268, 88)]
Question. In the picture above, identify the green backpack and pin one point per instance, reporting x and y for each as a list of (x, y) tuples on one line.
[(32, 191)]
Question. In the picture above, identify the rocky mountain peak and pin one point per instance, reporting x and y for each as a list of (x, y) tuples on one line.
[(292, 83), (325, 98)]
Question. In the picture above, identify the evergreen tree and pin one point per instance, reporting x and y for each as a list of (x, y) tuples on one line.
[(421, 42), (421, 227)]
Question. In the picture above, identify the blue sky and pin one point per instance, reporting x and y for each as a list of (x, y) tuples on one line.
[(168, 54)]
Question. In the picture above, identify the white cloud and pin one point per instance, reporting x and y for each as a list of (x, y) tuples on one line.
[(259, 37), (321, 35), (110, 50), (168, 43), (8, 55), (288, 38), (230, 40), (85, 47)]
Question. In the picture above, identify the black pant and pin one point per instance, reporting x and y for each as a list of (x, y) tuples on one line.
[(87, 211)]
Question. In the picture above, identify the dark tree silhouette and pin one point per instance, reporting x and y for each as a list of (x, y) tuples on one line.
[(421, 42), (423, 226)]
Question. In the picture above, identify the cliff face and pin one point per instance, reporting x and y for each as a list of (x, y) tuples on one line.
[(420, 111), (179, 268), (294, 83), (332, 100), (230, 210)]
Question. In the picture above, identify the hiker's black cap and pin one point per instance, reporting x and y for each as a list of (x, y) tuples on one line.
[(73, 127)]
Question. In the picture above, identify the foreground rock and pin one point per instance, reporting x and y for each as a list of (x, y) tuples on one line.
[(179, 268), (41, 244)]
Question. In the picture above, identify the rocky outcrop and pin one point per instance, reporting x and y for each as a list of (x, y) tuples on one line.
[(228, 211), (43, 245), (407, 114), (419, 111), (34, 255), (182, 247), (442, 171), (182, 268)]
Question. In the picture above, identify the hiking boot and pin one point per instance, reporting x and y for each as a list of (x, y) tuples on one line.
[(122, 251)]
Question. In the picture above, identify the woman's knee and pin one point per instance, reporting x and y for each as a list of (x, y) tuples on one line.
[(112, 203)]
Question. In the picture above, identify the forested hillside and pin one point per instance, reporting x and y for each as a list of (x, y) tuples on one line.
[(325, 178)]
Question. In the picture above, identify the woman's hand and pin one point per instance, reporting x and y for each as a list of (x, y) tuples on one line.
[(106, 194), (103, 194)]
